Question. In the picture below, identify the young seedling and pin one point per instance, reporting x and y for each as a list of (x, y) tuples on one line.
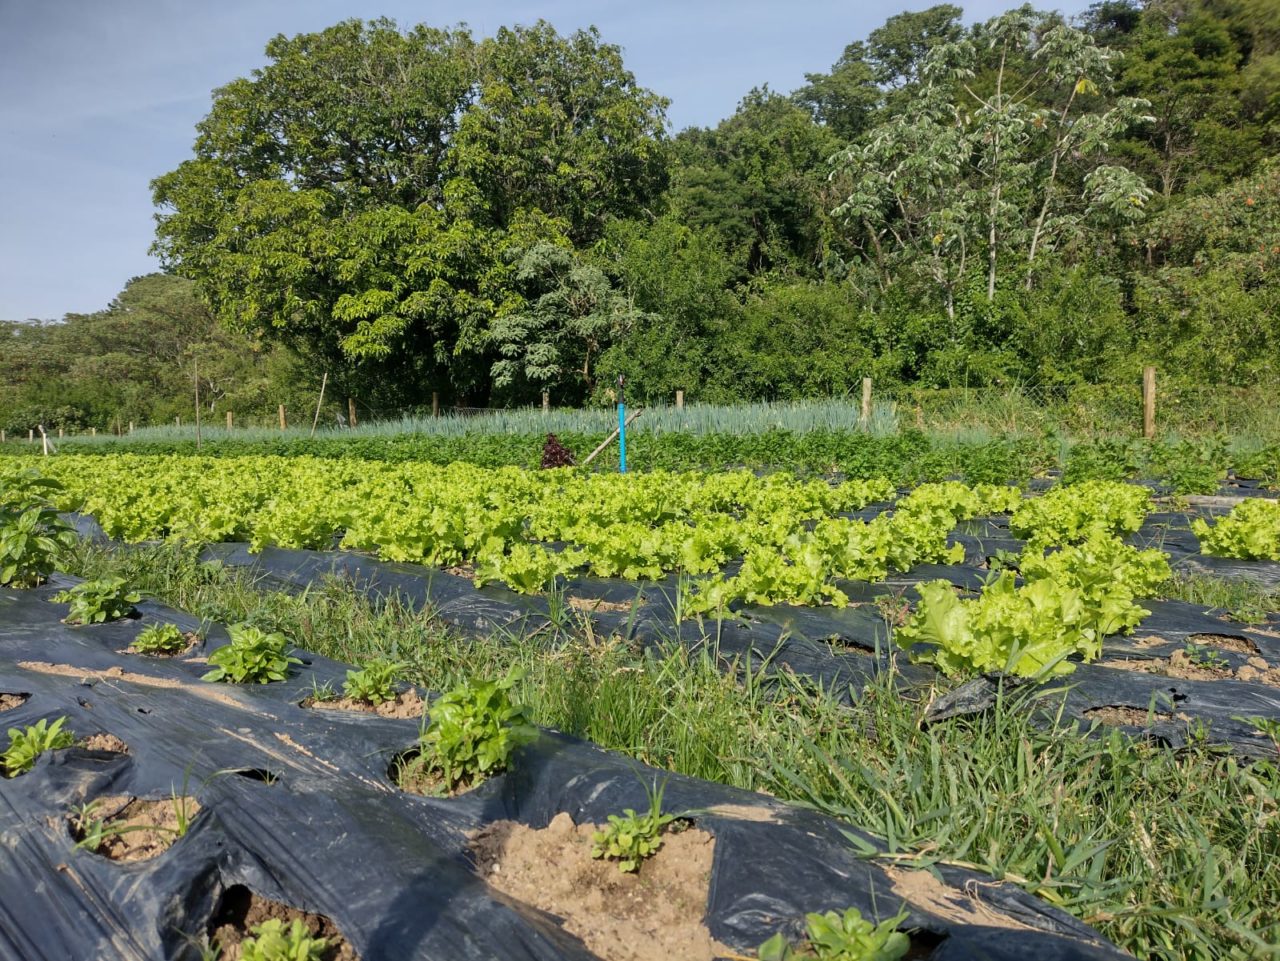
[(470, 735), (98, 601), (842, 937), (272, 941), (374, 684), (1206, 657), (252, 657), (92, 829), (27, 744), (160, 640), (630, 837)]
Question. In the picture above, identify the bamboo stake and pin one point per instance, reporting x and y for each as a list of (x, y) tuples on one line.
[(1148, 402), (610, 439), (315, 420), (282, 422), (196, 378)]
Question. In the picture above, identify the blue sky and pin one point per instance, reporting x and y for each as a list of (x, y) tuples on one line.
[(97, 97)]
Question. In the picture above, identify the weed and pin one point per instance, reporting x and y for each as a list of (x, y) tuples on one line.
[(160, 639), (98, 601), (373, 684), (842, 937), (27, 744), (272, 941), (253, 657), (630, 837)]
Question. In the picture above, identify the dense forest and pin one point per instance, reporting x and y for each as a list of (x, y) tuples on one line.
[(1025, 200)]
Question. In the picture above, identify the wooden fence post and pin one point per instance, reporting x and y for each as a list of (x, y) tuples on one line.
[(230, 420), (130, 427), (31, 436), (679, 400), (866, 401), (351, 412), (2, 437), (177, 422), (59, 433), (546, 401), (282, 420), (435, 403), (1148, 402), (93, 432)]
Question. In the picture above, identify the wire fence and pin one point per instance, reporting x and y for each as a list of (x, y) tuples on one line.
[(1086, 410)]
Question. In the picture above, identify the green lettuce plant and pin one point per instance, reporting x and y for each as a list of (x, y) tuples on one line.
[(847, 936)]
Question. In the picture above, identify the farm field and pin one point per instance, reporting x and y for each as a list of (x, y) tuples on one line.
[(962, 579)]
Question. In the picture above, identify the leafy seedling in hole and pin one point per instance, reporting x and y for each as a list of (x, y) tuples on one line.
[(252, 657), (160, 639), (27, 744), (32, 535), (471, 733), (98, 601), (375, 683), (322, 692), (630, 837), (1206, 657), (842, 937), (272, 941)]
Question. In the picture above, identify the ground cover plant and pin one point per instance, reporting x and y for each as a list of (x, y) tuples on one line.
[(1171, 855), (253, 656), (98, 601), (28, 743), (471, 734), (160, 640), (842, 936)]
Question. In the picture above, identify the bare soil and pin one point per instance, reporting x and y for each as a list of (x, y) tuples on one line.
[(146, 827), (191, 637), (104, 742), (597, 604), (957, 905), (405, 705), (1179, 664), (652, 915), (9, 701), (1226, 642), (1119, 715), (240, 910)]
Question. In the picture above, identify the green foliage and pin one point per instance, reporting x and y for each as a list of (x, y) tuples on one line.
[(1070, 514), (27, 744), (834, 936), (473, 731), (98, 601), (631, 838), (373, 683), (32, 536), (160, 639), (253, 657), (1250, 532), (272, 941)]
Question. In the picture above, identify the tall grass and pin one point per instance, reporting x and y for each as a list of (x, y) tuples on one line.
[(1174, 856)]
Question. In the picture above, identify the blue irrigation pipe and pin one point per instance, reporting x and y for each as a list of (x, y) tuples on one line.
[(622, 426)]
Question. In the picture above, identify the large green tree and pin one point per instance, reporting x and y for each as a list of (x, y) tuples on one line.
[(360, 194)]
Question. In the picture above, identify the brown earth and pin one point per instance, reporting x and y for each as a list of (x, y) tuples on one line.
[(9, 701), (104, 742), (1181, 665), (240, 910), (652, 915), (1227, 642), (405, 705), (956, 905), (597, 604), (1122, 715), (140, 828)]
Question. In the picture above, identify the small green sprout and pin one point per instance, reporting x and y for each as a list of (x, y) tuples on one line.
[(272, 941), (630, 837), (98, 601), (842, 937), (375, 683), (1206, 657), (27, 744), (160, 640), (252, 657)]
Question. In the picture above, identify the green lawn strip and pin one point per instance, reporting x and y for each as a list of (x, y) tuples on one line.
[(1172, 855)]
